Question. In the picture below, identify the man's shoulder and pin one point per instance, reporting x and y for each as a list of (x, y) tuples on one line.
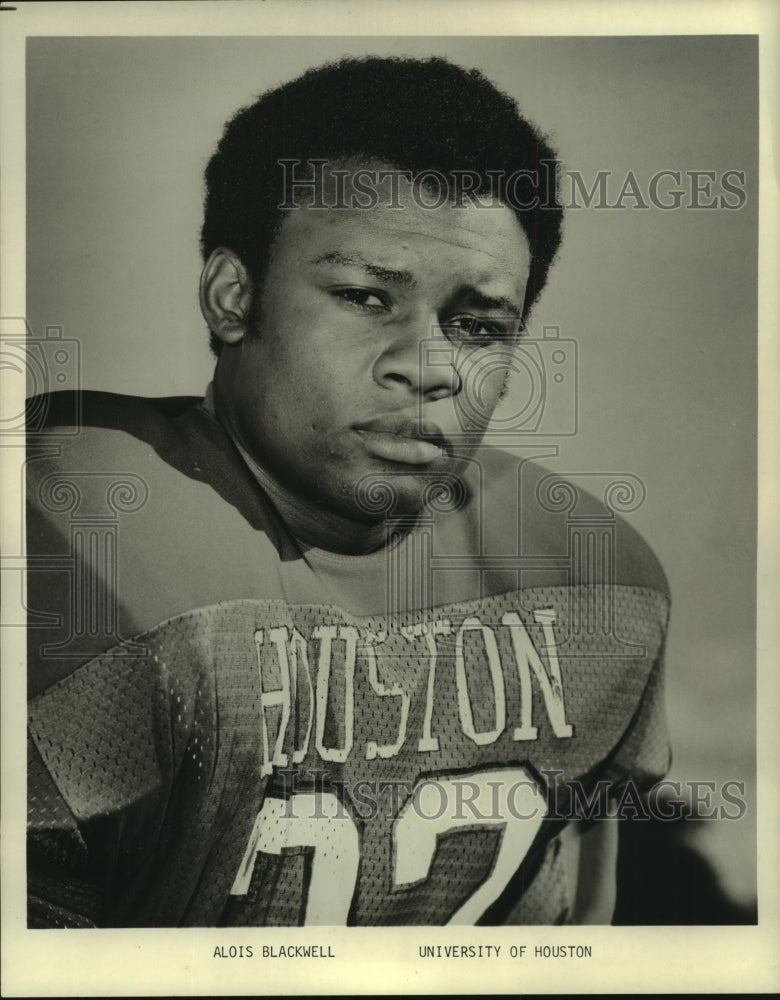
[(89, 430), (85, 443), (71, 411), (583, 517)]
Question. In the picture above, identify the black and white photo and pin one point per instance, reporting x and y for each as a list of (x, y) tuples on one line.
[(384, 429)]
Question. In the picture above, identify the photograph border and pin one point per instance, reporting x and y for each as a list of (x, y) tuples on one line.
[(382, 960)]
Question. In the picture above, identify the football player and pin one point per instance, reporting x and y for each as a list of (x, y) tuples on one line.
[(304, 651)]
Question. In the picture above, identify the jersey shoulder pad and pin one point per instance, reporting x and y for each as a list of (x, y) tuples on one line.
[(545, 512)]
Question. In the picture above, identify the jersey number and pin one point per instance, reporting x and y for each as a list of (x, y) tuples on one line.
[(508, 799)]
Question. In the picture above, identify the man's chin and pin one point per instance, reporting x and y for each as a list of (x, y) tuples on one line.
[(406, 494)]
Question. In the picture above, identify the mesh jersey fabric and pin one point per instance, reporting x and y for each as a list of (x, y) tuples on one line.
[(227, 729)]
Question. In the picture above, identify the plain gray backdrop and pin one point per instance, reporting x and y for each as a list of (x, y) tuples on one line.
[(662, 304)]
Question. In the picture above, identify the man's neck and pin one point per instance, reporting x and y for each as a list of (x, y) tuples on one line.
[(311, 524), (315, 526)]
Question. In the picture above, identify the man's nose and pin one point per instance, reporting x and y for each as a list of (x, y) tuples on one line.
[(418, 359)]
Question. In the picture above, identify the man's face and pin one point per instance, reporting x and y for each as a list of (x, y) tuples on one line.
[(380, 349)]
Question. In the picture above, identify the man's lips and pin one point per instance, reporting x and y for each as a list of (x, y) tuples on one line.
[(396, 438)]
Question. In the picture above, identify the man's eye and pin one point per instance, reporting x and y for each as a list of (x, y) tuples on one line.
[(483, 330), (359, 298)]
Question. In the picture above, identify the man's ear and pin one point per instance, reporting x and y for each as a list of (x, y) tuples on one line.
[(225, 295)]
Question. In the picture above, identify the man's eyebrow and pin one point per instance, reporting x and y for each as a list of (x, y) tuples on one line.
[(481, 300), (387, 274)]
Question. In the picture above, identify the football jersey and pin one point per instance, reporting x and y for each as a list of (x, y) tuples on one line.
[(229, 728)]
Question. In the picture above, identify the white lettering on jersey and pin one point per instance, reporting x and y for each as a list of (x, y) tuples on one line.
[(274, 693), (437, 806), (528, 660), (279, 689), (298, 661), (315, 820), (287, 691), (507, 798), (385, 750), (326, 634), (428, 741), (496, 677)]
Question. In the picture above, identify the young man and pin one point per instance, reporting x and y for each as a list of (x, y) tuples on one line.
[(302, 651)]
